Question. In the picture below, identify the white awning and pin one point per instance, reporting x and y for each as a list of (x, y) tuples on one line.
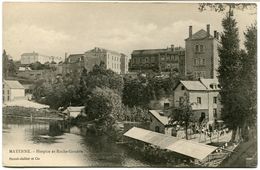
[(185, 147)]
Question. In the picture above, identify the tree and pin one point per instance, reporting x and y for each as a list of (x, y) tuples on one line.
[(5, 64), (221, 7), (182, 114), (249, 75), (101, 77), (229, 77), (104, 106), (136, 93)]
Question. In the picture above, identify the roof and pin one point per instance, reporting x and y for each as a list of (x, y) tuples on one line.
[(75, 55), (75, 109), (185, 147), (30, 54), (157, 51), (13, 84), (193, 85), (98, 49), (201, 34), (210, 84), (162, 118)]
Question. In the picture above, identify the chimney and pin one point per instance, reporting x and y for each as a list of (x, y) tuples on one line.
[(208, 29), (172, 47), (66, 55), (190, 31), (215, 34)]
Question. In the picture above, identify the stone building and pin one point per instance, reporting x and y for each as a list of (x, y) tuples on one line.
[(113, 60), (74, 63), (29, 58), (201, 58), (158, 60)]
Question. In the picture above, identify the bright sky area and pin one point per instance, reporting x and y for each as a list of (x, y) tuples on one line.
[(55, 28)]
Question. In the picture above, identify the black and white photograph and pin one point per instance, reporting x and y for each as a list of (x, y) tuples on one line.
[(164, 84)]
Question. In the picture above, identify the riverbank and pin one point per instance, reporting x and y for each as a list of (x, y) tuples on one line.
[(31, 113)]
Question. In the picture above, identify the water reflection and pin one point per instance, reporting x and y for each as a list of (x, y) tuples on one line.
[(95, 151)]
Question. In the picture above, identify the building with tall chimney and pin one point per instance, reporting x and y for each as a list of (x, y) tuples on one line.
[(201, 59)]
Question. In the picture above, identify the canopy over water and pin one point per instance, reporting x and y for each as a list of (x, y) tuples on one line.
[(189, 148)]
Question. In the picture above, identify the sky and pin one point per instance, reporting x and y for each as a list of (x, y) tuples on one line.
[(57, 28)]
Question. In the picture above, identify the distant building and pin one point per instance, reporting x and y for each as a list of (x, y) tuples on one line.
[(74, 63), (124, 64), (12, 90), (204, 96), (74, 111), (201, 59), (158, 60), (29, 58), (113, 60)]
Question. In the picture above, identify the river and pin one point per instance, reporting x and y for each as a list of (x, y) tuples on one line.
[(34, 143)]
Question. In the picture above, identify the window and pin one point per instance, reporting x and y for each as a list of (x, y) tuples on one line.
[(215, 113), (8, 98), (162, 58), (182, 88), (215, 100), (146, 59), (181, 100), (166, 105), (152, 59), (197, 48), (157, 129), (199, 100), (203, 61), (8, 92), (201, 48)]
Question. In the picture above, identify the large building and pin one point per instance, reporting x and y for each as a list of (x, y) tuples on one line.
[(29, 58), (158, 60), (12, 90), (113, 60), (201, 59)]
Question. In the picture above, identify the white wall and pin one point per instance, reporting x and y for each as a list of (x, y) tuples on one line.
[(17, 93)]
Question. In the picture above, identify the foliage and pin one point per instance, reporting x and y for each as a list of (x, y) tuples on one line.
[(9, 66), (182, 114), (39, 66), (101, 77), (248, 75), (103, 105), (221, 7), (135, 93), (233, 112), (135, 114)]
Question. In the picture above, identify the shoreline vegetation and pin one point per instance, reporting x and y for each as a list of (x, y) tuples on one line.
[(31, 113)]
